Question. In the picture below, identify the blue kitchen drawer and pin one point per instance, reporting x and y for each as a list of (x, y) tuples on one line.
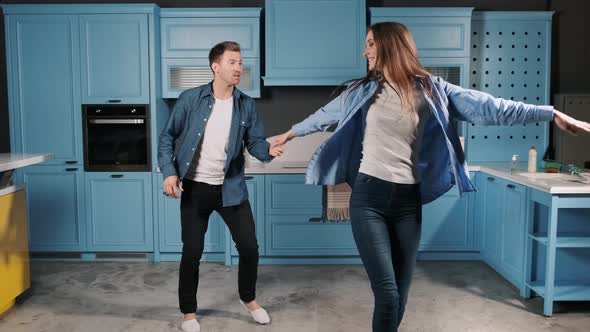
[(288, 194), (300, 235)]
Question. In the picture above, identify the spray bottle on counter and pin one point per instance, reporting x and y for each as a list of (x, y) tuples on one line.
[(513, 165)]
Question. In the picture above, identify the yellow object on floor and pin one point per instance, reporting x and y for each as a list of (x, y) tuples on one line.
[(14, 248)]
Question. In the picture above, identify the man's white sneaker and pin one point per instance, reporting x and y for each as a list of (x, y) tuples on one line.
[(190, 325), (260, 315)]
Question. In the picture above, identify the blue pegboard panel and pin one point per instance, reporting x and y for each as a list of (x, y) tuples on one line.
[(510, 59)]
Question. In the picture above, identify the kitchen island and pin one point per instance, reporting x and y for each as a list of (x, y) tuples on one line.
[(14, 244)]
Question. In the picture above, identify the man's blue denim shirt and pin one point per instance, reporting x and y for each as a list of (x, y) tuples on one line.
[(180, 138)]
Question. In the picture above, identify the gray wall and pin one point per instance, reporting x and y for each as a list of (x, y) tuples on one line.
[(282, 106)]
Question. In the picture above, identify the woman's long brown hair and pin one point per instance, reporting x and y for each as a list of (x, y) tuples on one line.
[(397, 55)]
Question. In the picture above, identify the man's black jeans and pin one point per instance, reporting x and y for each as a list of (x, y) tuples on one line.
[(197, 203)]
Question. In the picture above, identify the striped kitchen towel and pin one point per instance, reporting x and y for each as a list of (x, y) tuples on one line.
[(336, 202)]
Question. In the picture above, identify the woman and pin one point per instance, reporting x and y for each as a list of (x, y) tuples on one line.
[(397, 119)]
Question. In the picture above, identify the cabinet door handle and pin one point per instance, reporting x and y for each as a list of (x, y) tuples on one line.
[(117, 121), (491, 178), (248, 178), (71, 169), (114, 100), (69, 162), (511, 186), (116, 176)]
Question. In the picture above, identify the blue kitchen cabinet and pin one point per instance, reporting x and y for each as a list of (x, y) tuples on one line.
[(43, 86), (287, 194), (114, 58), (55, 208), (502, 212), (503, 216), (187, 36), (191, 33), (314, 42), (513, 233), (437, 32), (447, 223), (170, 228), (442, 37), (44, 52), (294, 225), (307, 235), (119, 211), (255, 185), (490, 216)]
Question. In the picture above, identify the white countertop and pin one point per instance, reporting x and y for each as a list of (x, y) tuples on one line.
[(298, 152), (295, 158), (10, 161), (564, 185), (11, 189), (277, 167)]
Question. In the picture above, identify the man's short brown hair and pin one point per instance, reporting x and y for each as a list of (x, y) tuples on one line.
[(218, 50)]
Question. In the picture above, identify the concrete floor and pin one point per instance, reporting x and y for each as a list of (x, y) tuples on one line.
[(445, 296)]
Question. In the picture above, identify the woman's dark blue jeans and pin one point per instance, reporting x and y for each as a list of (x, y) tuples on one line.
[(386, 223)]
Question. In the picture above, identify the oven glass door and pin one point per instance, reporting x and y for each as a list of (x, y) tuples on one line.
[(117, 144)]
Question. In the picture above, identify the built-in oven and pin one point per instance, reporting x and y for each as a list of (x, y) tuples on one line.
[(116, 138)]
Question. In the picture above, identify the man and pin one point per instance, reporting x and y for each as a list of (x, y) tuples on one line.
[(213, 123)]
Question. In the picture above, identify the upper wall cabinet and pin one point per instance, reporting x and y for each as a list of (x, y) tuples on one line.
[(438, 32), (193, 36), (311, 42), (187, 36), (114, 58), (442, 38)]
